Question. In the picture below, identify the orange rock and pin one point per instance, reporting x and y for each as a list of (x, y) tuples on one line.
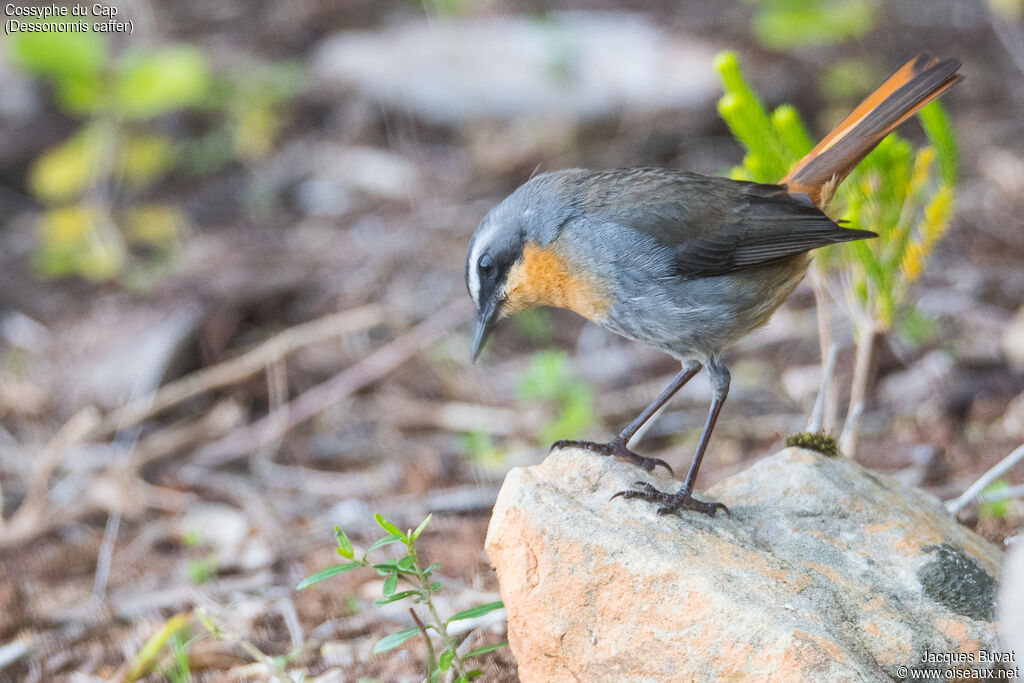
[(825, 571)]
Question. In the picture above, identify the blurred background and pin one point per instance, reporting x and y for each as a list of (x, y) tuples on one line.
[(232, 308)]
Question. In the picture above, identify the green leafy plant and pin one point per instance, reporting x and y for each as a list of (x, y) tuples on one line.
[(167, 651), (147, 658), (792, 24), (92, 184), (903, 194), (408, 570), (275, 666), (179, 670), (549, 378), (481, 447), (203, 570)]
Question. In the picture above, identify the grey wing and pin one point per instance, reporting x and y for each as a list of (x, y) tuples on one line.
[(715, 225), (766, 225)]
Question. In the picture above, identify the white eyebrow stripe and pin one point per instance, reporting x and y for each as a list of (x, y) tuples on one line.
[(474, 277), (480, 240)]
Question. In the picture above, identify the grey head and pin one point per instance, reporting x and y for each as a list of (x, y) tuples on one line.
[(534, 213)]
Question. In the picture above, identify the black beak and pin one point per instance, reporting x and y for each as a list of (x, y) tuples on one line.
[(486, 320)]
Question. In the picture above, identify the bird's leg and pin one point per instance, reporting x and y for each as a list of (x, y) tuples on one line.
[(683, 498), (617, 446)]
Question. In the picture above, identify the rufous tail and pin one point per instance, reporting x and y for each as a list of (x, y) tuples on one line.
[(912, 86)]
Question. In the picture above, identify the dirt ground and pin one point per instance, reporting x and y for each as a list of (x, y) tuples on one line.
[(223, 498)]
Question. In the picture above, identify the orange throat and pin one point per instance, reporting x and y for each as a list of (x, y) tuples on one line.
[(543, 277)]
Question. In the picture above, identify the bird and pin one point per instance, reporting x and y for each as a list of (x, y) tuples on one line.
[(683, 262)]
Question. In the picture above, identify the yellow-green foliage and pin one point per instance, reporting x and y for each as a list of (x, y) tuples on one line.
[(146, 658), (549, 378), (906, 196), (86, 183), (774, 142), (792, 24)]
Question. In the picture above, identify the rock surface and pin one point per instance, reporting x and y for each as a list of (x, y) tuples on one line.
[(825, 571), (1011, 598), (453, 71)]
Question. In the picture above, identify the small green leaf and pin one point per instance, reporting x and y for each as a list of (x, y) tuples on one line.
[(208, 623), (429, 570), (792, 132), (152, 225), (155, 83), (81, 240), (485, 649), (394, 640), (469, 676), (422, 526), (477, 611), (436, 586), (60, 56), (480, 447), (545, 376), (384, 568), (785, 25), (388, 526), (407, 563), (940, 132), (146, 658), (255, 127), (396, 597), (144, 159), (445, 662), (344, 545), (379, 543), (390, 584), (65, 171), (202, 570), (326, 574), (993, 503)]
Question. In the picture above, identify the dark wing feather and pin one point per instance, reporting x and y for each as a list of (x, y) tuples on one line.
[(765, 225), (714, 225)]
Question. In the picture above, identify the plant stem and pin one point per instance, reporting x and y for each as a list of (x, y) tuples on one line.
[(828, 371), (431, 657), (991, 475), (828, 398), (866, 337), (439, 625)]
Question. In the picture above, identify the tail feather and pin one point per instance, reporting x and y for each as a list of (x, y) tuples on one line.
[(912, 86)]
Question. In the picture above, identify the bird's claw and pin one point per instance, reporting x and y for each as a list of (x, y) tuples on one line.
[(671, 502), (615, 448)]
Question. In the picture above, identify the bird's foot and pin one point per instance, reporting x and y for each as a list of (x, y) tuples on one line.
[(670, 502), (617, 448)]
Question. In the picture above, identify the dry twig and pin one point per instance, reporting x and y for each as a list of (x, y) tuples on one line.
[(37, 515), (370, 369), (34, 517), (818, 423), (867, 337), (994, 473), (829, 392), (237, 369), (34, 507)]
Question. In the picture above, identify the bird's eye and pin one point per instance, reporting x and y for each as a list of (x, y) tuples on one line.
[(486, 266)]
